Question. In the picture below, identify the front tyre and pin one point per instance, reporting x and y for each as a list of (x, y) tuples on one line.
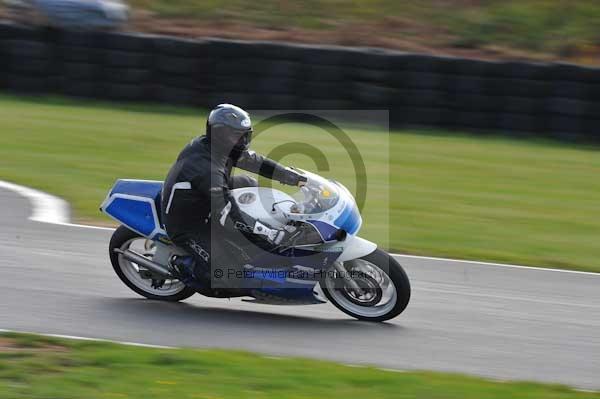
[(139, 279), (381, 290)]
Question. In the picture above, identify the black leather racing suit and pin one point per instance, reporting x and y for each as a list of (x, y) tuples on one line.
[(196, 195)]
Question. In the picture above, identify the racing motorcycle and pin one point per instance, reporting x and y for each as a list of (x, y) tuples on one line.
[(328, 262)]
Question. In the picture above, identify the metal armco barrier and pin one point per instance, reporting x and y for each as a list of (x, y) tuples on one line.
[(554, 100)]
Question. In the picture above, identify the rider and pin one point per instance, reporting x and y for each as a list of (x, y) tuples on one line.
[(196, 197)]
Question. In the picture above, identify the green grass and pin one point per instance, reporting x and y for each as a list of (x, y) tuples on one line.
[(560, 29), (441, 194), (39, 367)]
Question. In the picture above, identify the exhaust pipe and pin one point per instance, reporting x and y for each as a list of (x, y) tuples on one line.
[(145, 262)]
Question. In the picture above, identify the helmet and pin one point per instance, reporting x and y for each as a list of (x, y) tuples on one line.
[(229, 128)]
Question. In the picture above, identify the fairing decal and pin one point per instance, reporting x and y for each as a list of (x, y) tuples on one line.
[(349, 220), (327, 231)]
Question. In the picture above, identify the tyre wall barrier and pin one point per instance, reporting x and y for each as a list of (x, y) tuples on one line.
[(558, 100)]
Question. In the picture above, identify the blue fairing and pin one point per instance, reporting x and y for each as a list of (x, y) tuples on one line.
[(134, 213), (327, 231), (136, 204), (349, 220), (293, 256), (274, 277), (140, 188)]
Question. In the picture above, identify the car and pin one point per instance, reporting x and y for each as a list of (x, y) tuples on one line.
[(70, 14)]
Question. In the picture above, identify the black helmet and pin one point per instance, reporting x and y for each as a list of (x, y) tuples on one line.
[(229, 128)]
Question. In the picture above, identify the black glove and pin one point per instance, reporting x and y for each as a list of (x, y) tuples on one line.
[(277, 237), (291, 177)]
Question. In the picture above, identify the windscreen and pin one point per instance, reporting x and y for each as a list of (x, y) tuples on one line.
[(318, 195)]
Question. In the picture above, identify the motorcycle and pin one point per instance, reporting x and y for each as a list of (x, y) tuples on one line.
[(328, 262)]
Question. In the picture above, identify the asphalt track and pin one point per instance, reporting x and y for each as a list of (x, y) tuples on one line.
[(490, 320)]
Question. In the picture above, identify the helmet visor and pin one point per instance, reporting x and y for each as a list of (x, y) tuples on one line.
[(243, 142)]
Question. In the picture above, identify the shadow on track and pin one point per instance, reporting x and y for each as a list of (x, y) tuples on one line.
[(186, 314)]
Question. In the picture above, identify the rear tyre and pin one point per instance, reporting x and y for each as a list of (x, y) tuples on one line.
[(384, 288), (129, 272)]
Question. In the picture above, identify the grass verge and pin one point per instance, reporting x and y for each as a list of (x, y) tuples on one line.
[(430, 192), (41, 367)]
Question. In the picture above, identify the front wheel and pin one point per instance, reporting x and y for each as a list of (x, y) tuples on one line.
[(381, 289), (137, 278)]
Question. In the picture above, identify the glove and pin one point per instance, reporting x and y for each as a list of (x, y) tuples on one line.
[(291, 178), (276, 236)]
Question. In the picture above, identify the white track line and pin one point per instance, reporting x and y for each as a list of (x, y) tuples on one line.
[(50, 209), (80, 338), (46, 208), (475, 262), (86, 226)]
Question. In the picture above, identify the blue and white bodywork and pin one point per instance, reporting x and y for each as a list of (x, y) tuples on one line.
[(324, 204), (326, 262), (324, 208)]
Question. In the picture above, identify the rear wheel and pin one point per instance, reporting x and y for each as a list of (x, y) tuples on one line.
[(381, 288), (138, 278)]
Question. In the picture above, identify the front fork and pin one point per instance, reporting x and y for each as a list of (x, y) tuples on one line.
[(339, 267)]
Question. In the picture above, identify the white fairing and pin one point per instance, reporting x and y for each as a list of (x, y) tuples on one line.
[(276, 209), (258, 203), (355, 248)]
